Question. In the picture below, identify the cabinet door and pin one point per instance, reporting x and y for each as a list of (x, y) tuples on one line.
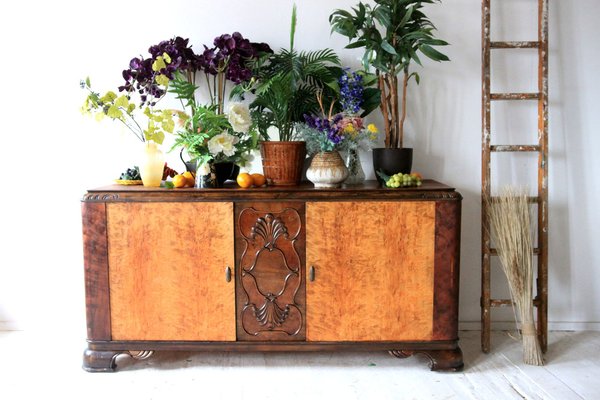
[(270, 241), (167, 271), (373, 271)]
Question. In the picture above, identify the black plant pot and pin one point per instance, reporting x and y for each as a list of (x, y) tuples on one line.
[(226, 171), (392, 161)]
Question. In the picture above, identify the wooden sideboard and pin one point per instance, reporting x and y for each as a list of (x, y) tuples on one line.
[(272, 269)]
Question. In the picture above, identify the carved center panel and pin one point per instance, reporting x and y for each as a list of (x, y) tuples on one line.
[(270, 271)]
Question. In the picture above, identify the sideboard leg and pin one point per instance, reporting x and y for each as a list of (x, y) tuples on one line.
[(100, 361), (106, 361), (439, 360)]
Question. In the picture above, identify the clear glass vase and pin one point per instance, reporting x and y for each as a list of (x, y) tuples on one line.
[(356, 173), (205, 175)]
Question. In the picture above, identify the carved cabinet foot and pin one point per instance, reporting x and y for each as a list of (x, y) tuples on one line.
[(106, 360), (439, 360), (99, 361)]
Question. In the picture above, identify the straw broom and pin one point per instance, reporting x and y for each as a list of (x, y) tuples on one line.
[(510, 219)]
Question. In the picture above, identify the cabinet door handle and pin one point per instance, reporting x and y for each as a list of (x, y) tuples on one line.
[(311, 273), (228, 273)]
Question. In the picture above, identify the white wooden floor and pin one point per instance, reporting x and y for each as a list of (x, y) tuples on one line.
[(30, 369)]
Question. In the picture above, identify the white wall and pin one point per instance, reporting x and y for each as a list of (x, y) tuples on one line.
[(50, 154)]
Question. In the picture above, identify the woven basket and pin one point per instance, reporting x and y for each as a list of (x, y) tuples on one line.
[(283, 162)]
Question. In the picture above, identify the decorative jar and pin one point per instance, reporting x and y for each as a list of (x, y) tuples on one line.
[(327, 170)]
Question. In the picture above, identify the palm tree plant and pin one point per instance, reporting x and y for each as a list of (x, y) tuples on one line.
[(392, 33), (285, 86)]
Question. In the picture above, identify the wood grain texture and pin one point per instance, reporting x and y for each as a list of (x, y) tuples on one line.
[(369, 190), (270, 242), (167, 271), (95, 260), (447, 270), (374, 266)]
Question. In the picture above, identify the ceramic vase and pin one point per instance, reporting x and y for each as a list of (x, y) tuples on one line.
[(327, 170)]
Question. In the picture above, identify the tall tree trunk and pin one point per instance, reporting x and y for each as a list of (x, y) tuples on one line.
[(383, 105), (395, 111), (401, 127)]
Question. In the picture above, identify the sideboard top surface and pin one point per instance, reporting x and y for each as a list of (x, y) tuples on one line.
[(430, 189)]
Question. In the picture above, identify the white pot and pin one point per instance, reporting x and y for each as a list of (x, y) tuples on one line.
[(327, 170)]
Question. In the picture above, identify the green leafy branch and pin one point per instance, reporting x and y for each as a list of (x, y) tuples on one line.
[(120, 108)]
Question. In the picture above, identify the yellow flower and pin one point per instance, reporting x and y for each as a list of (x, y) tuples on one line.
[(372, 128), (349, 128)]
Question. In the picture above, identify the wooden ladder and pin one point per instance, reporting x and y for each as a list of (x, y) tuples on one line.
[(541, 96)]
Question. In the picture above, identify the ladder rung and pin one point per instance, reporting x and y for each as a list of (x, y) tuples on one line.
[(530, 199), (501, 302), (514, 96), (518, 147), (509, 302), (494, 252), (514, 45)]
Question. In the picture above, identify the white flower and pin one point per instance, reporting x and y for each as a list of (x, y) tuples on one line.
[(239, 117), (222, 143), (203, 169)]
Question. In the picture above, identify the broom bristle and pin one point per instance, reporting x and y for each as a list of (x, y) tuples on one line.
[(532, 352), (510, 219)]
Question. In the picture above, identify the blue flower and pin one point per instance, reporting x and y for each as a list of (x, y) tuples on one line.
[(351, 92)]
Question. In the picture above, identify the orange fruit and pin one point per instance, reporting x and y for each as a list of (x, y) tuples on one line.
[(245, 180), (417, 175), (259, 179), (179, 181), (189, 178)]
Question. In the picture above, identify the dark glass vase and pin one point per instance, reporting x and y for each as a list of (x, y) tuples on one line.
[(392, 161), (226, 171)]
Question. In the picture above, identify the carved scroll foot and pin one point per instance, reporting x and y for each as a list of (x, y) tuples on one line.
[(99, 361), (106, 361), (439, 360)]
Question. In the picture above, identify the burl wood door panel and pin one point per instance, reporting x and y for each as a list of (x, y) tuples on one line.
[(270, 240), (167, 271), (374, 271)]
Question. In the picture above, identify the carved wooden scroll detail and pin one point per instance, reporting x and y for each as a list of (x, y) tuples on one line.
[(270, 271)]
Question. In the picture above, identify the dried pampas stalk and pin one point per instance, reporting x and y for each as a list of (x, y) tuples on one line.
[(510, 219)]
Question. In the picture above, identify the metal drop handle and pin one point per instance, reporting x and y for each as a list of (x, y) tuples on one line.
[(311, 273), (228, 273)]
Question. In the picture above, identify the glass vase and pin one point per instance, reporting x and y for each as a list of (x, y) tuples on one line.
[(356, 174), (206, 176), (152, 164)]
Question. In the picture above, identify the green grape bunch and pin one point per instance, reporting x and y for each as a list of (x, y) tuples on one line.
[(401, 180)]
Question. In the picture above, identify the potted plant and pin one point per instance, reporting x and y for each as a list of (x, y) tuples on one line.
[(285, 88), (226, 61), (218, 143), (392, 34)]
